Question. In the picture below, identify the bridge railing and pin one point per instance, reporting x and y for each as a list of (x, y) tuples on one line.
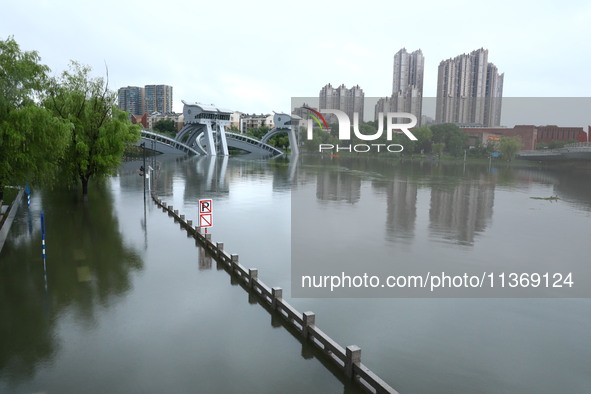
[(347, 360), (253, 141), (568, 148), (578, 145), (540, 152), (168, 141)]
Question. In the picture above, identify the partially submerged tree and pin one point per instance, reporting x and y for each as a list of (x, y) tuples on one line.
[(100, 131), (438, 148), (509, 146), (32, 140), (451, 135)]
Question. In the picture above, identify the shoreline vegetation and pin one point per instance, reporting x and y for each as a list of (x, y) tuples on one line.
[(445, 158)]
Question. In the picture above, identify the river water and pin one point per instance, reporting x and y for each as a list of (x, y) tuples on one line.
[(131, 304)]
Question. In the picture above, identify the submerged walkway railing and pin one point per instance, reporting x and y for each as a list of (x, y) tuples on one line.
[(347, 360)]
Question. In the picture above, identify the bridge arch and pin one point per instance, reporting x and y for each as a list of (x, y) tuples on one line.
[(204, 134)]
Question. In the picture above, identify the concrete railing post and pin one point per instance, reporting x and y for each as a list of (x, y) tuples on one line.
[(309, 319), (277, 294), (253, 275), (353, 357), (190, 223), (233, 261)]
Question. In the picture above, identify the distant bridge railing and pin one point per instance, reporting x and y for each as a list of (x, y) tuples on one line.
[(574, 147), (540, 152), (171, 142), (253, 142), (578, 145), (578, 150)]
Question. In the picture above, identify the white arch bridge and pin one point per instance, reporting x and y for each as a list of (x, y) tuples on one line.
[(204, 134)]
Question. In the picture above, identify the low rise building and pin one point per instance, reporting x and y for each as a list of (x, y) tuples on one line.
[(155, 117), (254, 121)]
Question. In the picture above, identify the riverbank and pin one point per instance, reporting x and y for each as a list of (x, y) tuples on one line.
[(449, 159)]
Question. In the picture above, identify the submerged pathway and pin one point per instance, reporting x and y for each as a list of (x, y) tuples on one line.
[(346, 361)]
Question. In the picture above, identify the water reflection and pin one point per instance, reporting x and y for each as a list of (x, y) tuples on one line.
[(401, 209), (460, 197), (461, 211), (338, 186), (88, 267)]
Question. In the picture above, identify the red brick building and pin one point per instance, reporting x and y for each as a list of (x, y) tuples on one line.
[(484, 135), (530, 135), (555, 133)]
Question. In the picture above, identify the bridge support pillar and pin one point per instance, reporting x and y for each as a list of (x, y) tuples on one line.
[(221, 136), (209, 142), (293, 141)]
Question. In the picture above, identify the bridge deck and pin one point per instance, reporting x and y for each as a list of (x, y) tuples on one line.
[(234, 140)]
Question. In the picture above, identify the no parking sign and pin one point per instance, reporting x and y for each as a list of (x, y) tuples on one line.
[(205, 213)]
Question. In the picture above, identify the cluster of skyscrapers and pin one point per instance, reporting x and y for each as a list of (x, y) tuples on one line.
[(346, 100), (149, 99), (469, 90)]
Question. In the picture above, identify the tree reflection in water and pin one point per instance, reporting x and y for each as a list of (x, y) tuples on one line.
[(88, 267)]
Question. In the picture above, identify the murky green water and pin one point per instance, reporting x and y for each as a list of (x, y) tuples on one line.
[(133, 305)]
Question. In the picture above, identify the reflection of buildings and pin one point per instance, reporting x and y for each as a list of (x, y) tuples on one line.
[(284, 173), (461, 211), (205, 175), (338, 186), (401, 208)]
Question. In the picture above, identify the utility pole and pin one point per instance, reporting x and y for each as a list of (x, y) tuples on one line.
[(143, 167)]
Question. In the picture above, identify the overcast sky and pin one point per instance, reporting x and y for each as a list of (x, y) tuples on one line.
[(253, 56)]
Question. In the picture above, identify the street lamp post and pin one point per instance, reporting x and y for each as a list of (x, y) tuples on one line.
[(143, 169)]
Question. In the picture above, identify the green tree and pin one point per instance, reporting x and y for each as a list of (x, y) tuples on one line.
[(542, 145), (424, 137), (280, 140), (100, 131), (451, 135), (165, 126), (319, 136), (31, 139), (258, 132), (509, 146), (438, 148)]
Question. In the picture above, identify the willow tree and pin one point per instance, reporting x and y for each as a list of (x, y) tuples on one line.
[(100, 131), (32, 140), (509, 146)]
